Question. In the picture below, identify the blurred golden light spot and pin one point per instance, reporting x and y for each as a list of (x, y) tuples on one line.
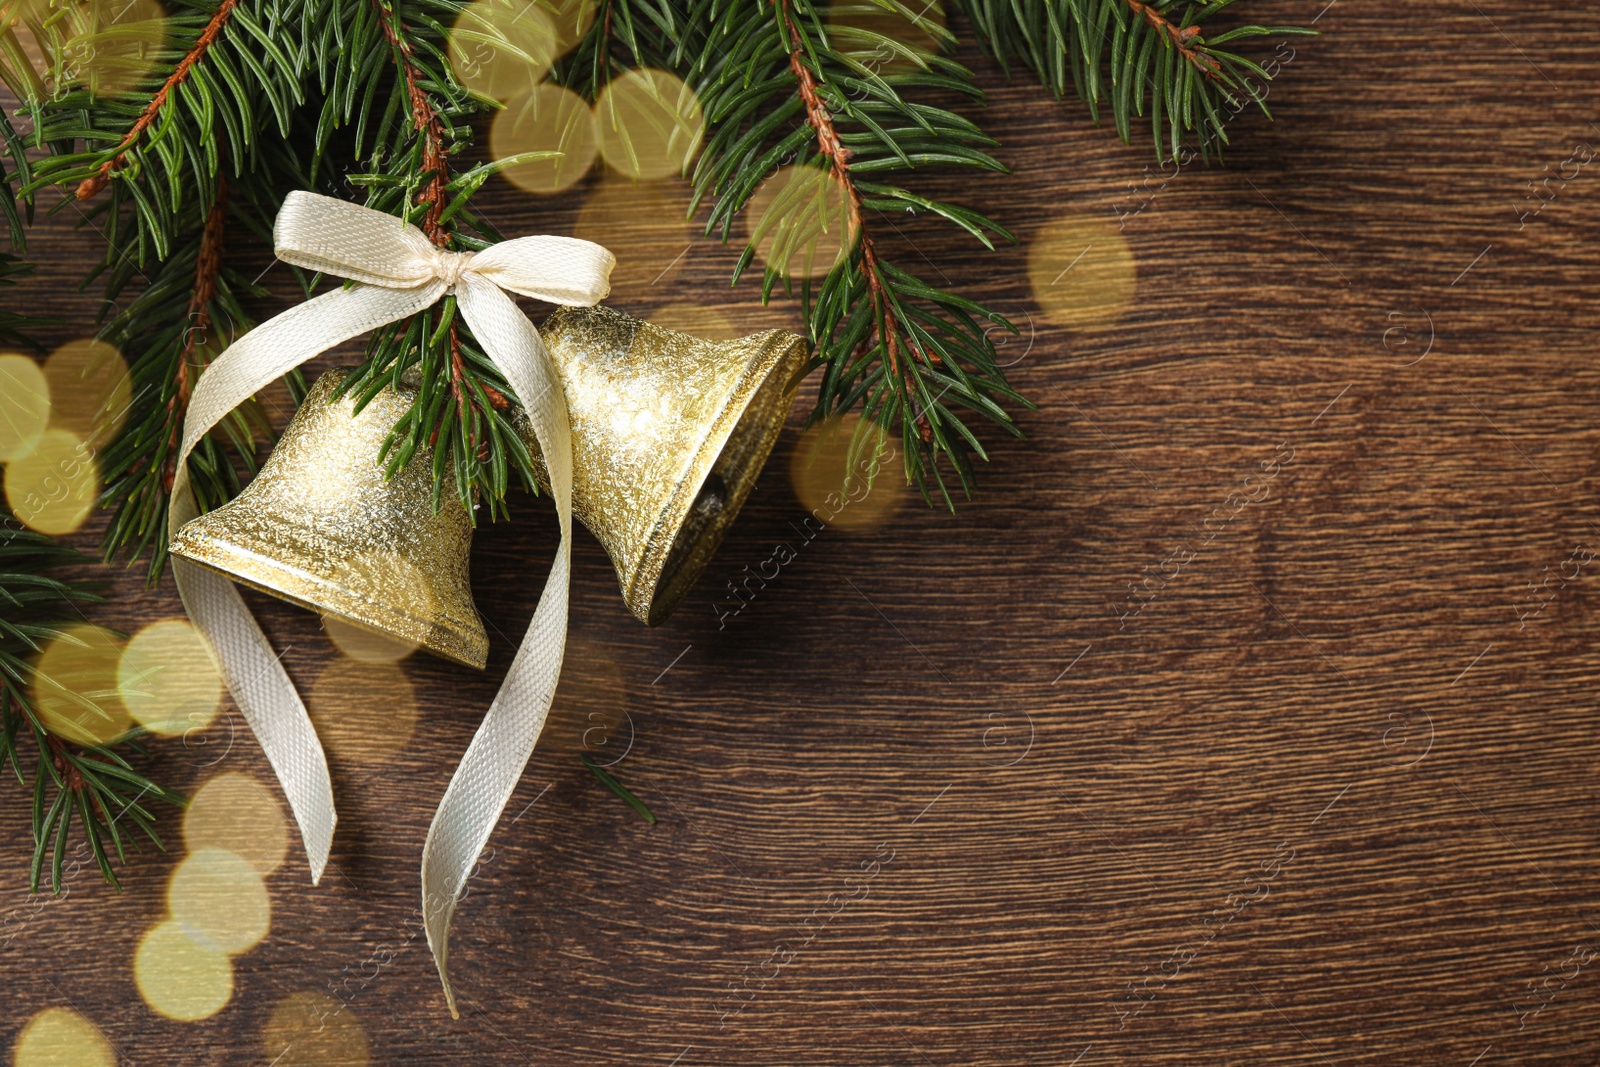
[(503, 48), (75, 690), (60, 1037), (548, 119), (1082, 272), (368, 646), (572, 19), (16, 13), (802, 224), (24, 405), (21, 18), (218, 897), (90, 390), (112, 44), (363, 712), (236, 812), (848, 473), (53, 487), (180, 976), (649, 123), (315, 1030), (168, 679), (648, 223), (886, 41), (685, 317)]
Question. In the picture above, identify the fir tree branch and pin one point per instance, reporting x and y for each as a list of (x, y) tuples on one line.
[(92, 784), (16, 327), (838, 156), (1144, 57), (436, 167), (169, 333), (425, 119), (207, 269), (1178, 36), (462, 412), (91, 186), (226, 98), (778, 85)]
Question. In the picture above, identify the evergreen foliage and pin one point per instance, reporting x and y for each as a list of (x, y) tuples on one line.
[(244, 100), (174, 134), (91, 784)]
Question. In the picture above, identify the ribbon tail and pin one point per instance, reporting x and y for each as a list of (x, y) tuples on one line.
[(492, 765), (267, 698), (254, 674)]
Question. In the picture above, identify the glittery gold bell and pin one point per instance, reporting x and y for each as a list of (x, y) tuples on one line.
[(669, 433), (321, 527)]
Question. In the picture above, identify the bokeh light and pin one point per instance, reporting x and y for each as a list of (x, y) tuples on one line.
[(219, 899), (60, 1037), (52, 488), (24, 405), (112, 45), (75, 692), (168, 679), (649, 123), (180, 976), (548, 119), (90, 390), (236, 812), (1082, 272), (502, 49), (849, 473), (18, 13), (800, 221), (363, 712), (690, 318), (368, 646), (572, 19), (886, 41), (311, 1029), (647, 224)]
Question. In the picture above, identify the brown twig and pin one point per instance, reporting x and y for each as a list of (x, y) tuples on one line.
[(1180, 38), (207, 268), (839, 156), (62, 761), (73, 778), (458, 373), (426, 121), (92, 185), (436, 161)]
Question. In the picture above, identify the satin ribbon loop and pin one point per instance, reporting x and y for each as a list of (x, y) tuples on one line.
[(398, 272)]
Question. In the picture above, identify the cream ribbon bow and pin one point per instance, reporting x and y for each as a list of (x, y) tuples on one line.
[(398, 272)]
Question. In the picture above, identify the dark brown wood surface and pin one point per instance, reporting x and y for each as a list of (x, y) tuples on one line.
[(947, 791)]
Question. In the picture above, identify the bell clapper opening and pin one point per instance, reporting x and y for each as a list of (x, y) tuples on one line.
[(712, 499)]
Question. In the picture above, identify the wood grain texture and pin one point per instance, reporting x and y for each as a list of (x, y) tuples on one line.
[(943, 793)]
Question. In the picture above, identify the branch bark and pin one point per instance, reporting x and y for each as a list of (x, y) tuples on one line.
[(207, 266), (1180, 38), (886, 324), (436, 161), (426, 121)]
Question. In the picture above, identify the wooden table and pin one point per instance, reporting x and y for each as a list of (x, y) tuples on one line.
[(1239, 719)]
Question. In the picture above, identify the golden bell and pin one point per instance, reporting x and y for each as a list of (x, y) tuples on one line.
[(669, 433), (322, 527)]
